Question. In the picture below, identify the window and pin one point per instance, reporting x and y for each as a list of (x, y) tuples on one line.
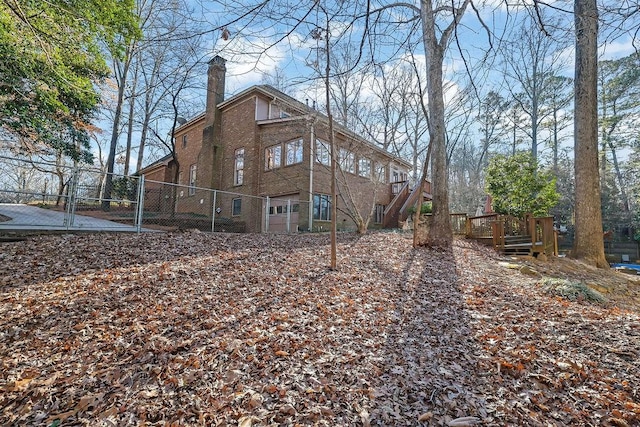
[(379, 214), (236, 207), (273, 157), (398, 175), (364, 167), (323, 153), (282, 209), (184, 140), (381, 174), (347, 160), (192, 179), (395, 175), (294, 152), (284, 115), (238, 174), (322, 207)]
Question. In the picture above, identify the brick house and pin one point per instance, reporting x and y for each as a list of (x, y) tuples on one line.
[(262, 142)]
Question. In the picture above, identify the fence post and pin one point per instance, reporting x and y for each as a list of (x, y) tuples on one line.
[(71, 199), (266, 219), (140, 210), (213, 212)]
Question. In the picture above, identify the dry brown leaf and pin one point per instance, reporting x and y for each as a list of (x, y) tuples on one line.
[(463, 422), (426, 416), (195, 329)]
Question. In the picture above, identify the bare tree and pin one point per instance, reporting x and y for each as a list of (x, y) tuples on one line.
[(391, 85), (165, 25), (532, 61), (559, 117), (490, 118), (619, 100), (277, 78)]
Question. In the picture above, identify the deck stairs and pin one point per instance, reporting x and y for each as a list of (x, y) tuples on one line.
[(398, 209), (516, 246)]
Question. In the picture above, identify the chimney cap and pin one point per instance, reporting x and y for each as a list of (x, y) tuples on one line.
[(218, 60)]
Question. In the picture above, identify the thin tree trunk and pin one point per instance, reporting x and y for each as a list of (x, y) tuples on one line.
[(589, 243), (334, 160), (108, 183), (132, 102), (619, 177), (555, 141)]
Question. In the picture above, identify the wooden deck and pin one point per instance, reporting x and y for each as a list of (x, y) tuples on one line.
[(510, 235)]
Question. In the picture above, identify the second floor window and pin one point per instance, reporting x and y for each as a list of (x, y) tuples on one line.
[(192, 179), (184, 141), (364, 167), (398, 176), (293, 152), (381, 174), (238, 174), (323, 153), (347, 160), (273, 157)]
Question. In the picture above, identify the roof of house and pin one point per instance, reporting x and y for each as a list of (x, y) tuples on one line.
[(295, 105), (163, 161)]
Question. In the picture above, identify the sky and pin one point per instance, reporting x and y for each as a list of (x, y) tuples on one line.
[(292, 54), (258, 47)]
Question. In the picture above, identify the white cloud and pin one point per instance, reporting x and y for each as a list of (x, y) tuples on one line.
[(248, 59), (616, 49)]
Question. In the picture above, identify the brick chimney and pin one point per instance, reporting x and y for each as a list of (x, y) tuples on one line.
[(215, 87), (211, 152)]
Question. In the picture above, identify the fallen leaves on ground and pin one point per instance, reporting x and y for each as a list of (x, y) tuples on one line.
[(251, 330)]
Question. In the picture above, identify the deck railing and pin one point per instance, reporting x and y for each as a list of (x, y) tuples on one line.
[(458, 223), (497, 228), (481, 227)]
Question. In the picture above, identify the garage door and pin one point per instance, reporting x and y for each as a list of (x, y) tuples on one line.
[(283, 214)]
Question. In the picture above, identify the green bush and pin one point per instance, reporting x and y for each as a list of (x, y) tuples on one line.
[(426, 209), (518, 186)]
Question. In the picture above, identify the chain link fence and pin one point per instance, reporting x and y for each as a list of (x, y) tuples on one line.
[(173, 206), (37, 195), (41, 195)]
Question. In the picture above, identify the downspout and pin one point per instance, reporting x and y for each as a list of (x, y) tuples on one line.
[(275, 98), (312, 144)]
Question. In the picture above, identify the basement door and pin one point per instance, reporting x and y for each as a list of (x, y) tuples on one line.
[(280, 219)]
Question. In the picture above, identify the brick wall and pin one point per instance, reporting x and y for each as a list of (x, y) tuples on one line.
[(238, 129)]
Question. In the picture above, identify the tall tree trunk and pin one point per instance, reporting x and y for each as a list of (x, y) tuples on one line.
[(132, 105), (589, 243), (534, 128), (555, 141), (439, 229), (121, 69), (619, 177), (127, 153)]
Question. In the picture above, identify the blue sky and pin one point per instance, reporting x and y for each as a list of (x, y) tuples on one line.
[(258, 46)]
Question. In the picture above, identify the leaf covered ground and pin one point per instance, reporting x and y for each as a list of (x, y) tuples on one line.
[(200, 329)]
